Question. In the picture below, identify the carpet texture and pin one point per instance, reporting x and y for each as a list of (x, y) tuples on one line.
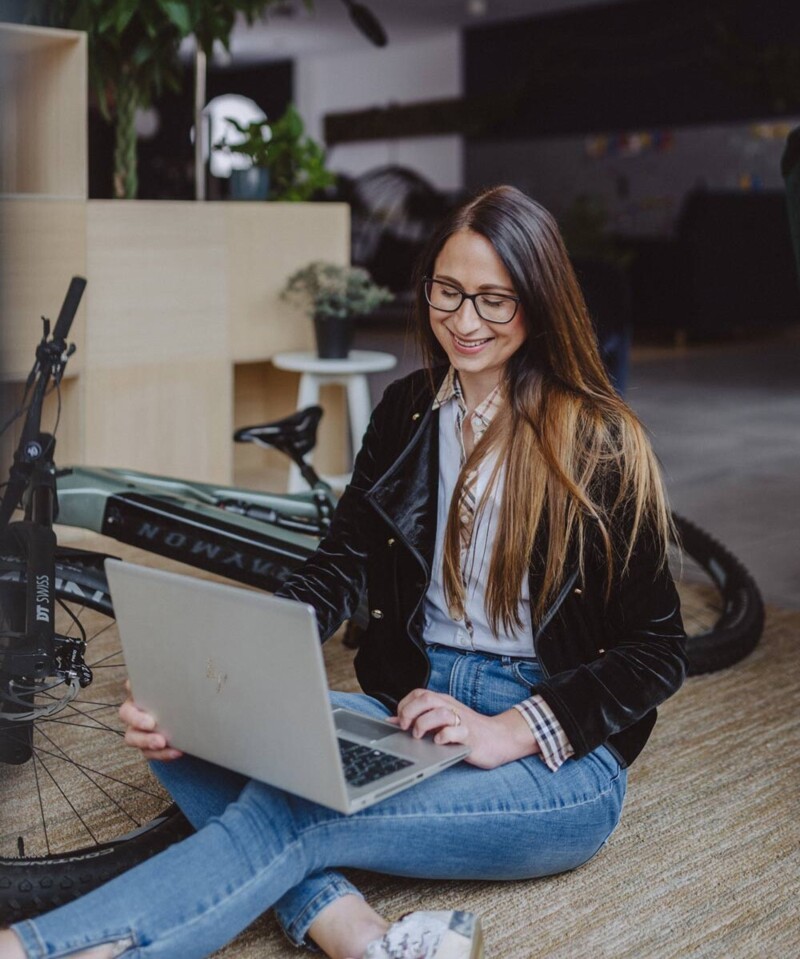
[(705, 863), (706, 859)]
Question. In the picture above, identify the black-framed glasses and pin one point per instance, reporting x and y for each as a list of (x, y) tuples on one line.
[(492, 307)]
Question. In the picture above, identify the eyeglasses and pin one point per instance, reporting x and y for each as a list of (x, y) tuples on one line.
[(492, 307)]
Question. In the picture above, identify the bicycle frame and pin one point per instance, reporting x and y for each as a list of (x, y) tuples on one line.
[(251, 537)]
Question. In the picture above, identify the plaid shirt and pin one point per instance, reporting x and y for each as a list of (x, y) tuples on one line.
[(481, 417), (554, 745)]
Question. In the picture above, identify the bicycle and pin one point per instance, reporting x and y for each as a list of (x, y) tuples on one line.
[(62, 674)]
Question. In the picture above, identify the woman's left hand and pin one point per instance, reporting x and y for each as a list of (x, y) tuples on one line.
[(493, 740)]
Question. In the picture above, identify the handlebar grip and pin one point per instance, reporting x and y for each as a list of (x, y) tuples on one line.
[(69, 308)]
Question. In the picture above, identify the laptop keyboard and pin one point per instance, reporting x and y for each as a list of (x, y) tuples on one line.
[(364, 764)]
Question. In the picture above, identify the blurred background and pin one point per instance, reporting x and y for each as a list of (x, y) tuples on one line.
[(654, 131)]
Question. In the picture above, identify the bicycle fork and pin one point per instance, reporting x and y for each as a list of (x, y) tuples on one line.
[(32, 658), (28, 626)]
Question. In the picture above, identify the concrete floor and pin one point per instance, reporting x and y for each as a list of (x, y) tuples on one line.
[(725, 422)]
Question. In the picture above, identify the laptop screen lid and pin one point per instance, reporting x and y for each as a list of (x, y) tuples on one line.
[(233, 676)]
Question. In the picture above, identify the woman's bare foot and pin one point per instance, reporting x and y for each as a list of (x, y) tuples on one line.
[(345, 928), (11, 948)]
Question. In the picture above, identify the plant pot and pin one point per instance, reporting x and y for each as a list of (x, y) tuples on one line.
[(334, 336), (252, 184)]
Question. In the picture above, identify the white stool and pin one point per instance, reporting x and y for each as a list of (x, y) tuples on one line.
[(350, 373)]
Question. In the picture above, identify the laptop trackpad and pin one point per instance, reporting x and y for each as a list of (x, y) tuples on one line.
[(372, 729)]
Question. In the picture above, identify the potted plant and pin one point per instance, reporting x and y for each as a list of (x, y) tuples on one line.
[(296, 162), (290, 165), (251, 180), (333, 296)]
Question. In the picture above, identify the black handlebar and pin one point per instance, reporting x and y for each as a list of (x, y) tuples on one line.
[(69, 308), (35, 447)]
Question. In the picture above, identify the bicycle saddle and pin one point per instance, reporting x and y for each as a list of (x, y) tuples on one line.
[(294, 435)]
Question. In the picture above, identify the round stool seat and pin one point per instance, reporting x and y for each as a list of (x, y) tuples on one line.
[(351, 373), (359, 361)]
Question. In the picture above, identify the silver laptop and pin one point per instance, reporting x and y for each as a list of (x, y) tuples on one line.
[(237, 677)]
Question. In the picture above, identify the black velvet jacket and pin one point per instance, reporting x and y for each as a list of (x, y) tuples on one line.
[(607, 666)]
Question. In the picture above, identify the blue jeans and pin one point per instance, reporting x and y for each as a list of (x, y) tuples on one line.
[(258, 846)]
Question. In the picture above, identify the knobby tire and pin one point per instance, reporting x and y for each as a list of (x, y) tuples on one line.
[(722, 607)]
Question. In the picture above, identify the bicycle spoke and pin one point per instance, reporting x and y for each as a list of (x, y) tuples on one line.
[(75, 620), (89, 715), (98, 664), (75, 707), (99, 729), (68, 801), (82, 766), (76, 703), (99, 633), (83, 771), (41, 806)]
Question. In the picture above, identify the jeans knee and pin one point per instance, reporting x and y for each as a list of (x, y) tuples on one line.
[(259, 825)]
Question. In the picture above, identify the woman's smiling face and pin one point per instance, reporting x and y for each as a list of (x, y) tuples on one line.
[(477, 349)]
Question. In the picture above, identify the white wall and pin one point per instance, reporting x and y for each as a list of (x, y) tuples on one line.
[(405, 73)]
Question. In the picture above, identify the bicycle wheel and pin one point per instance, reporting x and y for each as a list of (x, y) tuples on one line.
[(721, 605), (84, 807)]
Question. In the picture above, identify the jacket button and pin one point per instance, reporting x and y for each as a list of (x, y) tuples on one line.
[(376, 613), (578, 591), (415, 416), (390, 541), (601, 652)]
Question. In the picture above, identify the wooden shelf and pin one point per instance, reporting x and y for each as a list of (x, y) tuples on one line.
[(183, 297), (43, 112)]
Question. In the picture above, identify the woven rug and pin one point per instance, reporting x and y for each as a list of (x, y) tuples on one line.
[(706, 860)]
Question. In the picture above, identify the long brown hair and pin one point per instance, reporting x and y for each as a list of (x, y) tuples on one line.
[(579, 470)]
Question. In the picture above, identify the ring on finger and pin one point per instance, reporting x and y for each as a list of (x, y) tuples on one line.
[(456, 716)]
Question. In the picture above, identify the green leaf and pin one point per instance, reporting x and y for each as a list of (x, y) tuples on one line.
[(125, 15), (179, 14), (143, 52), (107, 20), (102, 100)]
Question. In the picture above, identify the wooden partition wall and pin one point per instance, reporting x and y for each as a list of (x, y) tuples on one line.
[(182, 305)]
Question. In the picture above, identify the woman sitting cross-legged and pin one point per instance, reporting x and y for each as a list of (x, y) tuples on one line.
[(507, 523)]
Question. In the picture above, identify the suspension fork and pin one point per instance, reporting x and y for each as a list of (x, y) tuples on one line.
[(27, 651), (31, 655)]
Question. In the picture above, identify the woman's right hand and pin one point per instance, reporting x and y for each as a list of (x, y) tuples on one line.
[(141, 731)]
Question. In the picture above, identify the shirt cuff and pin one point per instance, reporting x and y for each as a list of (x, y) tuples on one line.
[(547, 730)]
